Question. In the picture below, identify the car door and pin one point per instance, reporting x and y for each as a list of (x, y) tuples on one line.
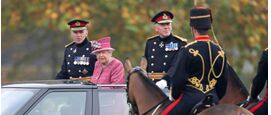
[(110, 102), (63, 102)]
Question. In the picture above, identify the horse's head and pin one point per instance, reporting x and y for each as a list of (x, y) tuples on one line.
[(138, 70), (130, 70), (142, 93)]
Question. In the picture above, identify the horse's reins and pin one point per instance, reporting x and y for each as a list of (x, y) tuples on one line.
[(134, 107)]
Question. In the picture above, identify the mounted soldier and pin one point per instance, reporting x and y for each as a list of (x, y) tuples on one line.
[(161, 49), (200, 68), (260, 108)]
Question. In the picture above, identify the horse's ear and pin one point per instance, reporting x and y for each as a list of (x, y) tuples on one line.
[(143, 63), (127, 64)]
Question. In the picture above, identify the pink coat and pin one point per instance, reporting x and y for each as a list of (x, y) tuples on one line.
[(113, 73)]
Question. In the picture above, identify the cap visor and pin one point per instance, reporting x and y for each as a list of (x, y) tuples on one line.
[(79, 28), (164, 21)]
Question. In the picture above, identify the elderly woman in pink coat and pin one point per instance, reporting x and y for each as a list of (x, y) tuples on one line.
[(107, 70)]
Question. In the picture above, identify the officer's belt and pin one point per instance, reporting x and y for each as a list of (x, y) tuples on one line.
[(156, 76), (87, 78)]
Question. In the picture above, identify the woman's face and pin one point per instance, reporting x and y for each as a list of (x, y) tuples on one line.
[(104, 56)]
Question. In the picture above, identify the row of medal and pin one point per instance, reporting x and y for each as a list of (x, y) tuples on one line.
[(171, 46), (81, 60)]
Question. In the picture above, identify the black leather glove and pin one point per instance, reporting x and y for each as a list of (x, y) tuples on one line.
[(249, 101), (252, 100)]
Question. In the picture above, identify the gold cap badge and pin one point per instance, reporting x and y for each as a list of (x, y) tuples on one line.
[(77, 23), (164, 16)]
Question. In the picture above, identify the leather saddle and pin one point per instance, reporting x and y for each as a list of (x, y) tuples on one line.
[(205, 103)]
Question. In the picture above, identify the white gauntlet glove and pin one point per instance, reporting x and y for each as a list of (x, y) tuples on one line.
[(161, 84)]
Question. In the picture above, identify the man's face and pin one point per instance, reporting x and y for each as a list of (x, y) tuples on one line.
[(103, 56), (163, 29), (78, 36)]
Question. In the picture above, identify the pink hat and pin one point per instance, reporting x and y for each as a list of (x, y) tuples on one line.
[(101, 44)]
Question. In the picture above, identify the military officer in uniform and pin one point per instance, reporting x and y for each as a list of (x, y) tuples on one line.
[(200, 68), (257, 86), (78, 60), (161, 49)]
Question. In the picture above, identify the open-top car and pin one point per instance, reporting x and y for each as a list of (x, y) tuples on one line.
[(63, 97)]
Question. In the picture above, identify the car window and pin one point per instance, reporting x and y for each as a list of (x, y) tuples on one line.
[(13, 99), (113, 102), (61, 103)]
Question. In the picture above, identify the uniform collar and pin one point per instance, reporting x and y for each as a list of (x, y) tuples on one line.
[(202, 38), (83, 43), (166, 38)]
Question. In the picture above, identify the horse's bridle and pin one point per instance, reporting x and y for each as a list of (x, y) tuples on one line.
[(134, 107)]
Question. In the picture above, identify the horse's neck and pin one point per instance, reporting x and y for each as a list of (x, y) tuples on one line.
[(147, 96), (236, 91), (148, 102)]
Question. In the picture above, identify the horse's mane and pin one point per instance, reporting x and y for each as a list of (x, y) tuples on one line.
[(239, 82), (144, 80)]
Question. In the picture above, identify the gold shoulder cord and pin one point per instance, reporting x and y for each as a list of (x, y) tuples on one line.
[(195, 53), (191, 43), (180, 38), (220, 54), (214, 35), (196, 83), (69, 44), (213, 82)]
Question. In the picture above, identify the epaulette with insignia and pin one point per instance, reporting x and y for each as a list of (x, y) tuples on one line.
[(181, 38), (190, 43), (69, 44), (152, 37)]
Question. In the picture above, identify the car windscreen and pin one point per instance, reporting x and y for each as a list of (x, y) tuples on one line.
[(12, 99)]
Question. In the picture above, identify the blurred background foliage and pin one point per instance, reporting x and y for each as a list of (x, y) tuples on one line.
[(34, 32)]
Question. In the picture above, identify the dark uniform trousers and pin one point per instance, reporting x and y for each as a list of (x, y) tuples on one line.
[(78, 61), (200, 70), (258, 84), (186, 101), (261, 108), (160, 53)]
